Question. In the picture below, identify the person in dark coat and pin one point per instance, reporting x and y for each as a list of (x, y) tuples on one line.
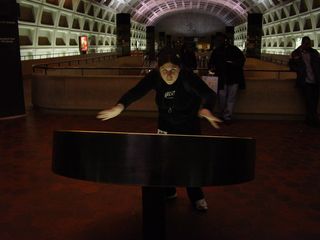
[(227, 62), (181, 97), (305, 61)]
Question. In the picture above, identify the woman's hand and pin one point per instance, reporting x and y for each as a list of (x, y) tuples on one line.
[(208, 115), (110, 113)]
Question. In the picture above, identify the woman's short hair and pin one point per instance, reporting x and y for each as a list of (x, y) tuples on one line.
[(169, 54)]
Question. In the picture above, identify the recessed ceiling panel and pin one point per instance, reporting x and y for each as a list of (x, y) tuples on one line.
[(191, 24)]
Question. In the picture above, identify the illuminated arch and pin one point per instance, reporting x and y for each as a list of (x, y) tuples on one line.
[(230, 11)]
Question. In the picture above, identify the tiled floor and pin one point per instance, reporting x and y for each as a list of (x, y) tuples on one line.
[(283, 202)]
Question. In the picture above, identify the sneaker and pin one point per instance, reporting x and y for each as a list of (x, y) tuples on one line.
[(201, 205), (228, 121), (172, 196)]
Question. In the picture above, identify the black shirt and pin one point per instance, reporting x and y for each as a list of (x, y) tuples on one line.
[(178, 104)]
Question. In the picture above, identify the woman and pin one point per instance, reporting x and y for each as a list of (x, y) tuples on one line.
[(179, 98)]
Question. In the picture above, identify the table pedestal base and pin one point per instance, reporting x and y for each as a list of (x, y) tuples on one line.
[(154, 213)]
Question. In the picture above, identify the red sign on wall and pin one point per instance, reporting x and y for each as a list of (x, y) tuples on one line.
[(83, 40)]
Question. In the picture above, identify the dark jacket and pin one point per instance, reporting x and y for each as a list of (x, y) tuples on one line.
[(227, 62), (178, 104), (297, 65)]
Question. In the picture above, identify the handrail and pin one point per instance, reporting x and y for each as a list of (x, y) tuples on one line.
[(84, 58), (41, 66), (47, 55), (45, 68), (137, 71), (276, 58)]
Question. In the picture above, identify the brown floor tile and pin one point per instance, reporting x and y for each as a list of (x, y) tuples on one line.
[(283, 202)]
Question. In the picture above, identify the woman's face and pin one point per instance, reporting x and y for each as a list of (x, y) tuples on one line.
[(169, 72)]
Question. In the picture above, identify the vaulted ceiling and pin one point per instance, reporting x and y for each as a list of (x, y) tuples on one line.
[(231, 12)]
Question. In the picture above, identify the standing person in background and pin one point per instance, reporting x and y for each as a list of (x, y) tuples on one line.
[(305, 61), (181, 97), (227, 62)]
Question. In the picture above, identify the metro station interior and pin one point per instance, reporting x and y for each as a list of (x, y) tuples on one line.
[(63, 61)]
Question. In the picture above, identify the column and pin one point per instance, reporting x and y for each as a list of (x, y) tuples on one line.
[(154, 213), (162, 40), (189, 42), (230, 34), (123, 34), (150, 31), (254, 35), (168, 40), (11, 83), (214, 40)]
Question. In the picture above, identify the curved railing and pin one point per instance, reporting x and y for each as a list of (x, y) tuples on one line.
[(84, 59), (57, 69), (89, 71), (270, 92)]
